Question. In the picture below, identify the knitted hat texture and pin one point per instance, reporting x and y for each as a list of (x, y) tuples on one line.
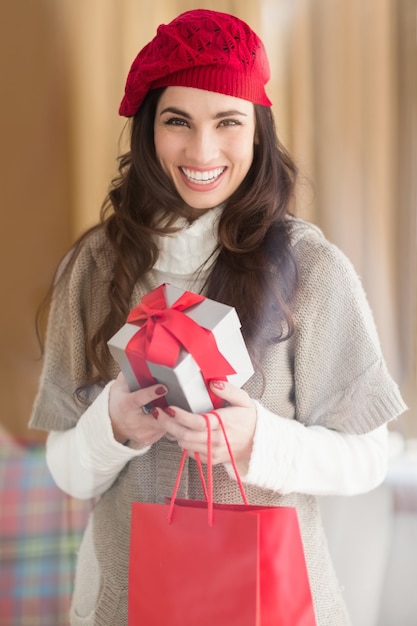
[(202, 49)]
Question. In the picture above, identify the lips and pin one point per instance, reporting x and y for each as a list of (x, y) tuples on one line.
[(205, 177)]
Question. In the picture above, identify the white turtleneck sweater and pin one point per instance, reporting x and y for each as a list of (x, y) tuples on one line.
[(286, 457)]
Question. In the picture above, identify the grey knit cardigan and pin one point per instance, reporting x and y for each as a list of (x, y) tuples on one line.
[(330, 372)]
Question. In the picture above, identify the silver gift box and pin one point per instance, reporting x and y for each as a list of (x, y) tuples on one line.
[(185, 383)]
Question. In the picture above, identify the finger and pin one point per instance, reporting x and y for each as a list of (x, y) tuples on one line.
[(180, 432), (192, 421), (230, 393), (145, 396), (187, 438), (198, 442)]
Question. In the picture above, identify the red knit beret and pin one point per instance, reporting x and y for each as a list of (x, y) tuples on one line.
[(202, 49)]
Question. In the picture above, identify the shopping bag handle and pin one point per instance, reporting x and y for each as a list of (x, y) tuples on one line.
[(207, 487), (232, 458)]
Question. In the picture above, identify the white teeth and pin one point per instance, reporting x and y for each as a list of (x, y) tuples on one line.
[(203, 178)]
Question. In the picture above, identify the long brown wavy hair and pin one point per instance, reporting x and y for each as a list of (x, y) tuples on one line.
[(255, 270)]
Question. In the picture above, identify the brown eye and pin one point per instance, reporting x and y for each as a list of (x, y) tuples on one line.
[(176, 121), (230, 123)]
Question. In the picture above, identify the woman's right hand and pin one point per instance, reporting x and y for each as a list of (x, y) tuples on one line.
[(129, 420)]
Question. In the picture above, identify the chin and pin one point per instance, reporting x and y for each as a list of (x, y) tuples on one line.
[(203, 204)]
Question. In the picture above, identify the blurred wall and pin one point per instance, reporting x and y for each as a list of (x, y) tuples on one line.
[(34, 194)]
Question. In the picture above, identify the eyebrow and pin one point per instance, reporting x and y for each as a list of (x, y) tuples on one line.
[(187, 116)]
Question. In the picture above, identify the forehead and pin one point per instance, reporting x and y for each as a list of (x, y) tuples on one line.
[(192, 100)]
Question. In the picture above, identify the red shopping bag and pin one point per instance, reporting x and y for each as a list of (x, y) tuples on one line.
[(204, 564)]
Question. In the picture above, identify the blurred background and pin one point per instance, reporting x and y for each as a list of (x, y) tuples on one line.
[(344, 88)]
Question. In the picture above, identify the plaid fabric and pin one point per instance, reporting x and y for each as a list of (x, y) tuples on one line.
[(40, 531)]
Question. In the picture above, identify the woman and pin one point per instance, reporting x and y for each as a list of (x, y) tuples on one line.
[(203, 200)]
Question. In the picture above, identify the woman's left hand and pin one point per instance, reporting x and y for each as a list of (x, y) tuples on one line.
[(239, 419)]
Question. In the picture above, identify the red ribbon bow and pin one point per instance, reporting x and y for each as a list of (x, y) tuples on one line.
[(164, 331)]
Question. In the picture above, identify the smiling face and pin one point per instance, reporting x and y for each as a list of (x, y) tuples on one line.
[(204, 143)]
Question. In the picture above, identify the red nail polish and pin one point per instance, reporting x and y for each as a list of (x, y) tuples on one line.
[(160, 391), (218, 384), (170, 411), (155, 412)]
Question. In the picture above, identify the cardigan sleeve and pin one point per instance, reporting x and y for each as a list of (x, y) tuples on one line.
[(340, 377), (77, 305)]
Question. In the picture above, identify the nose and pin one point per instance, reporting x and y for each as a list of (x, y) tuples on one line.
[(202, 147)]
